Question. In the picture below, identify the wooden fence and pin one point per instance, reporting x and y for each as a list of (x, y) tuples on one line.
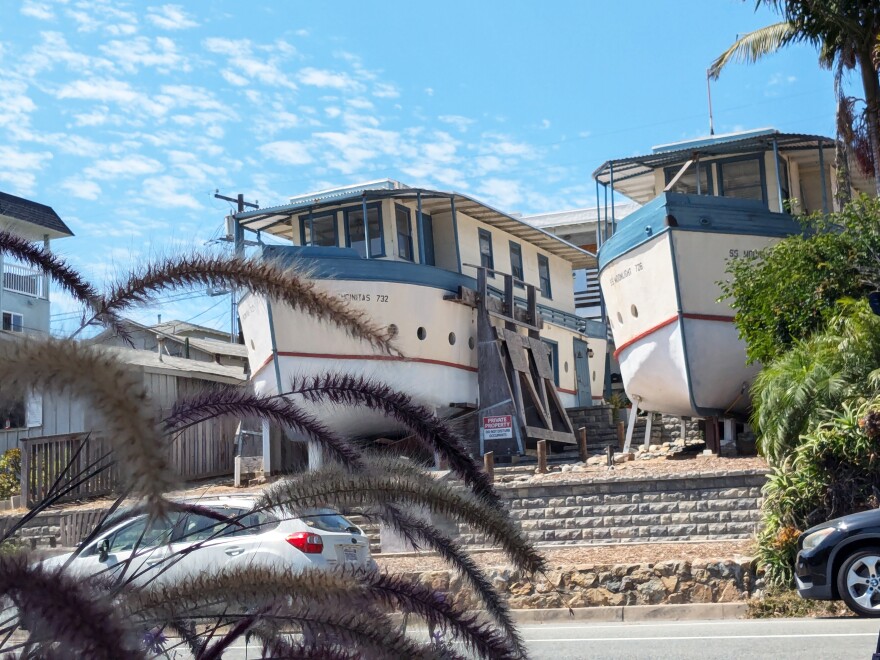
[(201, 451), (44, 461)]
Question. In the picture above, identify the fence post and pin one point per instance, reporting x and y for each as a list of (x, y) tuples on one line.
[(25, 473), (489, 465), (582, 443), (621, 435), (542, 456)]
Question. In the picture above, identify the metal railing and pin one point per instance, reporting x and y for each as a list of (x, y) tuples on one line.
[(23, 280)]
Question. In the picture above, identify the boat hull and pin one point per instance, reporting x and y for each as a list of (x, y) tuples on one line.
[(436, 338), (678, 348)]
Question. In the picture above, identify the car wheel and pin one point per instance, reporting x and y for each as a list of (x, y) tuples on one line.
[(858, 582)]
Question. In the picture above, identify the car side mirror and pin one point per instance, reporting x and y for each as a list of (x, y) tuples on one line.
[(104, 550)]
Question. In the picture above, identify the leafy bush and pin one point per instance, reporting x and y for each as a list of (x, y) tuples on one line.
[(834, 471), (10, 472), (789, 291)]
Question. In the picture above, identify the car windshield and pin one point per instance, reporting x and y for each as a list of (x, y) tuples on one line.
[(330, 522)]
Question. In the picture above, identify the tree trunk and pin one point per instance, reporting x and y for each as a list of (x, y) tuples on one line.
[(872, 99)]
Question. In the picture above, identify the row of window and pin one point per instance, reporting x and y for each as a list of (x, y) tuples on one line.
[(322, 229), (487, 260), (741, 177)]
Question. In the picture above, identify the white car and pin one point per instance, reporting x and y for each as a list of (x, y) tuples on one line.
[(185, 544)]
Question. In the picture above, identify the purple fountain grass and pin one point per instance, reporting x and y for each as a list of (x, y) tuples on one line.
[(286, 285), (60, 610), (237, 401), (113, 390), (432, 431)]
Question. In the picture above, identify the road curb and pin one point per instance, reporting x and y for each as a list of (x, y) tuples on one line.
[(634, 613)]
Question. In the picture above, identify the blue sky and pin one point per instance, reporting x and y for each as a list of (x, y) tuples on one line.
[(126, 116)]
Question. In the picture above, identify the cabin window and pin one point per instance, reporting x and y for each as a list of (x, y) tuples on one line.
[(354, 230), (687, 183), (544, 276), (12, 410), (13, 322), (783, 179), (516, 262), (553, 356), (319, 230), (487, 260), (742, 178), (404, 233)]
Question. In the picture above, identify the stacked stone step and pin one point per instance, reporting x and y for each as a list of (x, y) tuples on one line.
[(716, 507)]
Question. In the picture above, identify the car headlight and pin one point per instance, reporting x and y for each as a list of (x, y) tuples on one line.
[(813, 540)]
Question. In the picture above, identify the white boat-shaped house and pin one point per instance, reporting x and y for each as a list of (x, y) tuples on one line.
[(705, 201), (401, 254)]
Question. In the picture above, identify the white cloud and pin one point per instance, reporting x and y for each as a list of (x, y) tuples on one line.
[(170, 17), (429, 91), (107, 90), (163, 192), (461, 123), (233, 78), (39, 10), (326, 79), (545, 124), (245, 66), (102, 14), (385, 91), (119, 168), (132, 54), (13, 159), (81, 188), (17, 105), (287, 152), (503, 193)]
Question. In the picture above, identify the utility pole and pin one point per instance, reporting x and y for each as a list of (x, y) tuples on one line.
[(238, 251)]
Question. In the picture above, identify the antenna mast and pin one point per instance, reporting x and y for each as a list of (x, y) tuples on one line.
[(709, 94)]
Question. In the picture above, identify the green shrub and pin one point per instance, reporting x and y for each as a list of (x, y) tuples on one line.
[(10, 473)]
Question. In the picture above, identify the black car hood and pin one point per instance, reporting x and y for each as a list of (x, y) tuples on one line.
[(853, 521)]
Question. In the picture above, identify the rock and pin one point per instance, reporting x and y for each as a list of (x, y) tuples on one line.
[(701, 593), (584, 580), (652, 592), (670, 583)]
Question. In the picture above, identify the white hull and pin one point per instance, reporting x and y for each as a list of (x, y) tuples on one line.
[(436, 371), (678, 348)]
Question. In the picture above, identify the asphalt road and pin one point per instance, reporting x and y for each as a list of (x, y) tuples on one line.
[(779, 639)]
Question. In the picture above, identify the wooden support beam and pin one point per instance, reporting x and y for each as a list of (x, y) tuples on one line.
[(548, 434), (542, 456), (621, 435), (582, 444), (489, 465)]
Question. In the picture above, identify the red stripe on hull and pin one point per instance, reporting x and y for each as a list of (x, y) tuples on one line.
[(663, 324)]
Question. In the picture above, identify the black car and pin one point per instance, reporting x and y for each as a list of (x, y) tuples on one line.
[(841, 559)]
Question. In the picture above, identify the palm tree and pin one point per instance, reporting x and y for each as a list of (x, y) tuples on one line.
[(846, 33)]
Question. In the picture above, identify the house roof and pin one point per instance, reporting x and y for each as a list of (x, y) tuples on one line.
[(574, 217), (276, 220), (181, 367), (212, 346), (17, 210), (179, 327)]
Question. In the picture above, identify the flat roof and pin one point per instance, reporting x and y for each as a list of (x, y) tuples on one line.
[(433, 201)]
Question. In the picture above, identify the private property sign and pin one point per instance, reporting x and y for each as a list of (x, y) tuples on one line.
[(498, 427)]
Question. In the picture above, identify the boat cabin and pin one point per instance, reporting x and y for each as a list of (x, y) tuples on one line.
[(787, 172), (388, 221)]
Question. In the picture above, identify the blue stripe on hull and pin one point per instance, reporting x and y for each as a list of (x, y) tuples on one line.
[(347, 264), (701, 213)]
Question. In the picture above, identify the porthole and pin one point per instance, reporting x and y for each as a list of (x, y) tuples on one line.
[(634, 311), (452, 339), (619, 318), (471, 343), (393, 330), (565, 366), (421, 333)]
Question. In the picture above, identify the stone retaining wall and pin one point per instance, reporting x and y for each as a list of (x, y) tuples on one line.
[(601, 427), (673, 582), (693, 506)]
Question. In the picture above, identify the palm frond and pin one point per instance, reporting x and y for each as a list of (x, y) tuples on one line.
[(751, 47)]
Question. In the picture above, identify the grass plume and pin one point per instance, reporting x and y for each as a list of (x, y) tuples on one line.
[(261, 277), (112, 389), (431, 430), (239, 402)]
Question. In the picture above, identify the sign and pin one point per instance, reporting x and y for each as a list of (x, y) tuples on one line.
[(498, 427)]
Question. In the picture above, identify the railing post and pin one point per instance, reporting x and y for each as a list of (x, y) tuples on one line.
[(621, 435), (489, 465), (542, 456), (25, 472), (582, 443)]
